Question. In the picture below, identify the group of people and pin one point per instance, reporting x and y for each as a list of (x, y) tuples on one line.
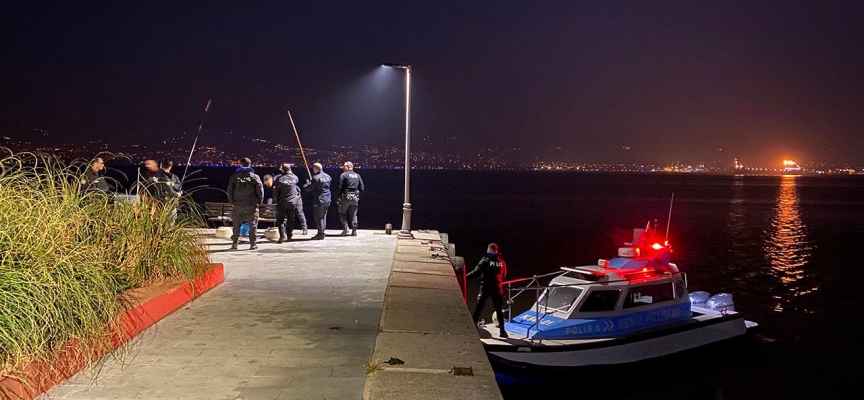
[(246, 191), (155, 179)]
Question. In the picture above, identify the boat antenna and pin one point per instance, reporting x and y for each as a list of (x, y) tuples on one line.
[(669, 220)]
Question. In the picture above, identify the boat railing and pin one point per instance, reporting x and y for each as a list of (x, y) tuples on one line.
[(538, 289)]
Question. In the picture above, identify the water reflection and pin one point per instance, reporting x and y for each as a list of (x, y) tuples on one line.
[(787, 246), (741, 245)]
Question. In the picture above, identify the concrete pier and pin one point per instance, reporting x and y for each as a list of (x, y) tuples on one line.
[(302, 320)]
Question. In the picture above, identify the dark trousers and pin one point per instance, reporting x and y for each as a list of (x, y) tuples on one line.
[(301, 216), (348, 212), (497, 302), (241, 214), (320, 211), (285, 219)]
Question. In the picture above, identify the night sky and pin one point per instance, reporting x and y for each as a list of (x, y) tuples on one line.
[(670, 80)]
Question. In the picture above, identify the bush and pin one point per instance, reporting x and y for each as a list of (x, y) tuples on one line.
[(67, 256)]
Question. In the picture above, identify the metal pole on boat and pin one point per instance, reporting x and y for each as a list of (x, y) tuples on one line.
[(669, 220), (195, 142)]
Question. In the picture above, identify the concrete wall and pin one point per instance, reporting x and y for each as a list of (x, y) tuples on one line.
[(426, 323)]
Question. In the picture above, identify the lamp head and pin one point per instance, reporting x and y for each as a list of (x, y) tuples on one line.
[(399, 66)]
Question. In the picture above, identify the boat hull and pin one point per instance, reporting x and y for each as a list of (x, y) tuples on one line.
[(513, 357)]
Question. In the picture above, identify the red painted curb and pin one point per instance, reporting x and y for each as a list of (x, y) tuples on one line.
[(41, 377)]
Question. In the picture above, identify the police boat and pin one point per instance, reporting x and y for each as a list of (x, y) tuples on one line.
[(631, 308)]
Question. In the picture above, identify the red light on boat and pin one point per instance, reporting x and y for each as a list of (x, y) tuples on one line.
[(656, 246), (644, 269)]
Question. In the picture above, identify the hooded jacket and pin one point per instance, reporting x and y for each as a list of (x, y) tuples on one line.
[(492, 271), (245, 188)]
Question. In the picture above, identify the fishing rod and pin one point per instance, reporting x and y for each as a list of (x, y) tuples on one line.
[(201, 125), (669, 220), (297, 135)]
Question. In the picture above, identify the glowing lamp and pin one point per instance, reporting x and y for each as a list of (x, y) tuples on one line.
[(656, 246)]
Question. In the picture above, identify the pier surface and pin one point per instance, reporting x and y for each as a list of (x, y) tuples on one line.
[(303, 320)]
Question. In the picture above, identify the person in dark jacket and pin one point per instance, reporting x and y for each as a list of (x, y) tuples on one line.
[(172, 187), (491, 269), (285, 197), (93, 179), (350, 186), (155, 182), (301, 216), (320, 188), (246, 193)]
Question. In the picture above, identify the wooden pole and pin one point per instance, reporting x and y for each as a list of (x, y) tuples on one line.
[(297, 135)]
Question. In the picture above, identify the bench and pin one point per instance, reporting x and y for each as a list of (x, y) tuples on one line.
[(221, 212), (218, 212)]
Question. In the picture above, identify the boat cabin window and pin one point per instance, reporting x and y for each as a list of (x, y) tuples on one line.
[(649, 294), (560, 298), (601, 300)]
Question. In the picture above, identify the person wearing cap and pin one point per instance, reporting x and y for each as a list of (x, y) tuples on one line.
[(285, 197), (350, 186), (320, 188), (246, 193)]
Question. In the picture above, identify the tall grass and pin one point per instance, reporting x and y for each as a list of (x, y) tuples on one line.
[(67, 256)]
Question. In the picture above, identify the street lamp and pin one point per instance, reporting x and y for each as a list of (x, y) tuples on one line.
[(405, 233)]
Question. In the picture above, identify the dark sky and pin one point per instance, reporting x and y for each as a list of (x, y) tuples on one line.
[(672, 80)]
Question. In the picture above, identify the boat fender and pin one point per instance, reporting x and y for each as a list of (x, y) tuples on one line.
[(699, 298), (721, 301)]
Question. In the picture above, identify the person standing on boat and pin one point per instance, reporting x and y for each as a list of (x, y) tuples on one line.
[(491, 269), (350, 186), (285, 197), (246, 193), (320, 188)]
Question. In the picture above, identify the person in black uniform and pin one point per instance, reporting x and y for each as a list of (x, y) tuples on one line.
[(301, 216), (350, 186), (246, 193), (491, 269), (285, 197), (93, 179), (320, 188)]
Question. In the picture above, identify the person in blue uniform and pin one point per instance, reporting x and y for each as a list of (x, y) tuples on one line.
[(491, 269)]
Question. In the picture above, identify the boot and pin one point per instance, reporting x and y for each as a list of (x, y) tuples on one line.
[(253, 246), (344, 232), (281, 239), (503, 334), (234, 246), (318, 237), (354, 232)]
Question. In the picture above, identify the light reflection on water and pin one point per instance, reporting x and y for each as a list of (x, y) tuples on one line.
[(788, 247)]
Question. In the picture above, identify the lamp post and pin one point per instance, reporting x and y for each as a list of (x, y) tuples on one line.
[(405, 232)]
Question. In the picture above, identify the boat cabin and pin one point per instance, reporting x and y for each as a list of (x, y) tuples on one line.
[(638, 290)]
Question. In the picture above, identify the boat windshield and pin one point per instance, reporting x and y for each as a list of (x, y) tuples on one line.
[(560, 298)]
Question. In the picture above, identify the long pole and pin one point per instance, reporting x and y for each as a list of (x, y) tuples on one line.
[(297, 135), (195, 142), (406, 207), (669, 220)]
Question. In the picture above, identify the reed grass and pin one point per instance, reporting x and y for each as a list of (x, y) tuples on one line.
[(67, 256)]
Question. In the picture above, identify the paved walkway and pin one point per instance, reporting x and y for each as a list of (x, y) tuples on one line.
[(291, 321)]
